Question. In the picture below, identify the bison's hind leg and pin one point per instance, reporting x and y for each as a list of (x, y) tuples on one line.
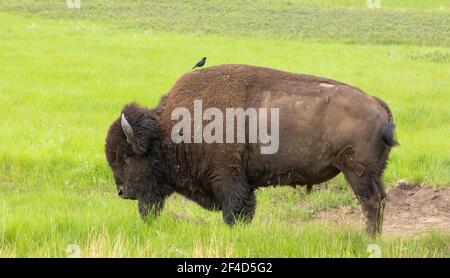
[(369, 191), (364, 177)]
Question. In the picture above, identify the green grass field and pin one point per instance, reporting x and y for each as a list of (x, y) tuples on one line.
[(65, 75)]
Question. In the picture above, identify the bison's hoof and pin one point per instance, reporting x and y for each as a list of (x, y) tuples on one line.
[(148, 210)]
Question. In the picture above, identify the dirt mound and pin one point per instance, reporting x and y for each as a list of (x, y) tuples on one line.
[(413, 208), (410, 209)]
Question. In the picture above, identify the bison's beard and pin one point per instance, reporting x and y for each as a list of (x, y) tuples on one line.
[(149, 208)]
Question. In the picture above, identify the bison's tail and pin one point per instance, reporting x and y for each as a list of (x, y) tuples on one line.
[(388, 134), (388, 131)]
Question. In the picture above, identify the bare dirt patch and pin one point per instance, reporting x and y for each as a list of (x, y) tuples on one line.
[(410, 209)]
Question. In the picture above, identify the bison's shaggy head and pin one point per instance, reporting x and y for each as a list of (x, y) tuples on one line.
[(134, 153)]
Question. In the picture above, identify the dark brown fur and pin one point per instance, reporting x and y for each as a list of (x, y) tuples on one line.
[(326, 127)]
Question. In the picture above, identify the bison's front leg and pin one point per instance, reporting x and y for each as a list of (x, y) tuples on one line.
[(238, 203), (149, 208)]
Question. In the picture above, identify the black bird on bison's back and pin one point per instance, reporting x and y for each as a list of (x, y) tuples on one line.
[(200, 63)]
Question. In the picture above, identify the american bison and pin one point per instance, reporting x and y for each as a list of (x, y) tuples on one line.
[(325, 127)]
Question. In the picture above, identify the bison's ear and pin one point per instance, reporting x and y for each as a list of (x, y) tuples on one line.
[(141, 128)]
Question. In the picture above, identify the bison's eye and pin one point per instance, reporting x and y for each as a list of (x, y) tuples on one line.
[(127, 160)]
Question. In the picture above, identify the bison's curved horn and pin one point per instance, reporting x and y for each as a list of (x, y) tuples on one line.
[(127, 129)]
